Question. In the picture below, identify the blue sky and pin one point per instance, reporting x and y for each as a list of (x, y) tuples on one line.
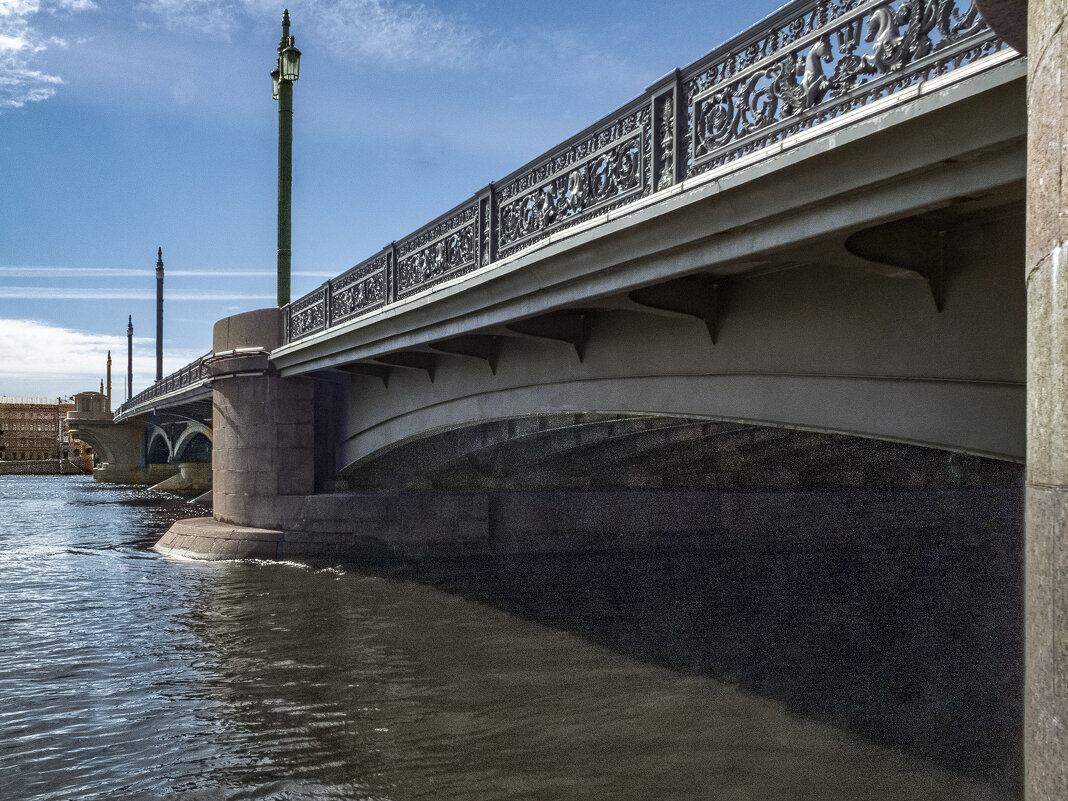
[(126, 126)]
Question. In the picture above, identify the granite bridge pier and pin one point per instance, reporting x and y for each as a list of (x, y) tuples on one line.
[(824, 256)]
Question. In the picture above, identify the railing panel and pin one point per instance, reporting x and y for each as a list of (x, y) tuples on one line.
[(829, 58), (445, 249), (308, 315), (602, 172), (361, 289)]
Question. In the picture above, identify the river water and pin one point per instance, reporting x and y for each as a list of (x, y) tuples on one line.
[(124, 674)]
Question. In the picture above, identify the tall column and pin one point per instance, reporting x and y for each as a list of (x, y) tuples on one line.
[(129, 358), (285, 184), (109, 381), (1046, 559), (159, 316)]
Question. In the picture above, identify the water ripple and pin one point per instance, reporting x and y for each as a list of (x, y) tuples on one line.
[(127, 675)]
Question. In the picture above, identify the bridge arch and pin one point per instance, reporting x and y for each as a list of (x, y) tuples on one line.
[(193, 444), (158, 450)]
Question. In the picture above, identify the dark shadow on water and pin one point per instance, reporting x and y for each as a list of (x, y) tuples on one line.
[(915, 643)]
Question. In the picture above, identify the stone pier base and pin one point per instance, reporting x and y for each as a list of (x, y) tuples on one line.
[(192, 478), (109, 473), (207, 538)]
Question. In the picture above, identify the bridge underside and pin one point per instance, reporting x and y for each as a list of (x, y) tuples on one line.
[(609, 452)]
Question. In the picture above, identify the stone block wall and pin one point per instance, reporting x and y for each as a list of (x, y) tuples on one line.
[(263, 447)]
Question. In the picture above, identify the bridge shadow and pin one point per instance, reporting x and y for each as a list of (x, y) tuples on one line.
[(914, 641)]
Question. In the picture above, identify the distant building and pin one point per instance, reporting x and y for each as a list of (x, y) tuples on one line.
[(35, 429)]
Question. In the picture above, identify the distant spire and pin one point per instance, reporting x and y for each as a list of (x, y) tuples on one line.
[(129, 359), (159, 315)]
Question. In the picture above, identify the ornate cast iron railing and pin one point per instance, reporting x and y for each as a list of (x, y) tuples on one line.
[(811, 61), (193, 373)]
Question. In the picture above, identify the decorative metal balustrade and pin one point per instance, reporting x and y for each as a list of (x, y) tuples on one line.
[(193, 373), (810, 62)]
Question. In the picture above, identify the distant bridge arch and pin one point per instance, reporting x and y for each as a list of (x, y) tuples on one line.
[(193, 444), (158, 448)]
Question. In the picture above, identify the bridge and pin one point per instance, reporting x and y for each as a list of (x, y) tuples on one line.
[(817, 228), (797, 260), (161, 434)]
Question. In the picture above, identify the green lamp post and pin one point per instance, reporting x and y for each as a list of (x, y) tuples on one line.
[(285, 73)]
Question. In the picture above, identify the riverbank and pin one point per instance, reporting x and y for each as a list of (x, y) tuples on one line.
[(43, 467)]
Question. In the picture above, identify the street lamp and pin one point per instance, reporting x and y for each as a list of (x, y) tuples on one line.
[(285, 73)]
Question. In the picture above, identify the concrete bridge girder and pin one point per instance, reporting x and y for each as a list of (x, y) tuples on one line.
[(647, 453)]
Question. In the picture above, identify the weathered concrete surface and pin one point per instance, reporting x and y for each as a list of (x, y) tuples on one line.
[(263, 425), (1046, 692), (262, 454), (355, 526), (1008, 18), (117, 445), (642, 452), (41, 467), (192, 478), (108, 473), (260, 328), (206, 538)]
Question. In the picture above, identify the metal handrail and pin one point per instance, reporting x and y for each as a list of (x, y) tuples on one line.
[(195, 372)]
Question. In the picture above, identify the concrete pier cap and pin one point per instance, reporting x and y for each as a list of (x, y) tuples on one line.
[(260, 328)]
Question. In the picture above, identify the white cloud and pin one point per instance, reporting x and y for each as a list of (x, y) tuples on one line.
[(393, 33), (41, 359), (12, 43), (97, 272), (19, 8), (111, 293), (199, 15), (387, 32), (76, 5), (22, 43)]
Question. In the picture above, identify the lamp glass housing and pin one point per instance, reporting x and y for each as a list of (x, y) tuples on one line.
[(274, 83), (289, 63)]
